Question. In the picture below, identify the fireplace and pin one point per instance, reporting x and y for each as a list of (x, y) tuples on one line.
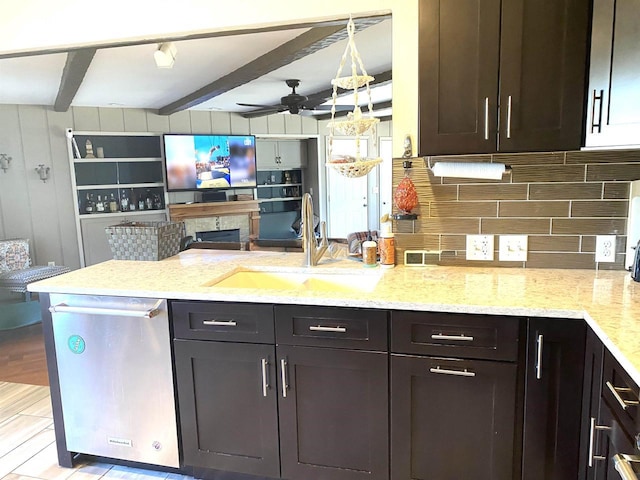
[(231, 235)]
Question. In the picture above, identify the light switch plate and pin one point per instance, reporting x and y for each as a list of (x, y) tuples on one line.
[(479, 247), (605, 248), (513, 248)]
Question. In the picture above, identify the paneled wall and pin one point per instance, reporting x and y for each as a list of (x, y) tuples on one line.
[(33, 135), (560, 200)]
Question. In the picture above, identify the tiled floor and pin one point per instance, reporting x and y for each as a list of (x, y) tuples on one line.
[(27, 443)]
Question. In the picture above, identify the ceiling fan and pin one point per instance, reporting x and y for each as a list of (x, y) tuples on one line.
[(293, 103)]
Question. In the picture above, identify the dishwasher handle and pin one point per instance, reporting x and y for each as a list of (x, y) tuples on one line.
[(623, 463), (150, 313)]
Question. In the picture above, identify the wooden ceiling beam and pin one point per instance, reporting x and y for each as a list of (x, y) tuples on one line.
[(75, 68), (305, 44)]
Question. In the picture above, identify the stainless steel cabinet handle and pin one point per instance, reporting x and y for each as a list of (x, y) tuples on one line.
[(615, 391), (459, 373), (265, 381), (321, 328), (509, 117), (283, 373), (592, 441), (119, 312), (539, 344), (461, 337), (622, 463), (486, 118), (596, 98), (220, 323)]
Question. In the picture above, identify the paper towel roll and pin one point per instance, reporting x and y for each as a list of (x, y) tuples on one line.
[(486, 171)]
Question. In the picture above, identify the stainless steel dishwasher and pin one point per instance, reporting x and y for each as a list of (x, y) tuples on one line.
[(116, 379)]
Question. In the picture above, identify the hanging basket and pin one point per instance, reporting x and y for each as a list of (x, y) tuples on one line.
[(354, 127), (356, 169), (352, 82)]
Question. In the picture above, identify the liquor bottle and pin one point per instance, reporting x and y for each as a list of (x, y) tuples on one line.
[(124, 202), (132, 201), (148, 200), (157, 202), (141, 202), (88, 205), (113, 204), (100, 205)]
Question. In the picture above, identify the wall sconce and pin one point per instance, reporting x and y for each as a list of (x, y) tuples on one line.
[(43, 172), (5, 160)]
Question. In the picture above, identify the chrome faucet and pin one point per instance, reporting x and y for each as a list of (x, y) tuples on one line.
[(312, 251)]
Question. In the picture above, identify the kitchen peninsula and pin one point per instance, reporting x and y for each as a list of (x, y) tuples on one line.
[(338, 357)]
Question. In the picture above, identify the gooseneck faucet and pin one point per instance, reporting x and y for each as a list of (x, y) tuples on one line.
[(312, 251)]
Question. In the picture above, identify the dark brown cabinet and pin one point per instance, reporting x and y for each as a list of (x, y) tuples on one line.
[(613, 111), (502, 76), (452, 419), (227, 398), (333, 413), (553, 395)]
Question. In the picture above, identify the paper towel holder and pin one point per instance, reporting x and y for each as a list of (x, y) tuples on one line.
[(507, 168)]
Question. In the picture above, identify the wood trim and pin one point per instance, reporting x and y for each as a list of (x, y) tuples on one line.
[(75, 69), (303, 45), (179, 212)]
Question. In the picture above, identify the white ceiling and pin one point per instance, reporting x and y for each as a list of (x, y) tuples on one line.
[(128, 77)]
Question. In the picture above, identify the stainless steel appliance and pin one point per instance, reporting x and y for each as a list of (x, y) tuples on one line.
[(116, 379)]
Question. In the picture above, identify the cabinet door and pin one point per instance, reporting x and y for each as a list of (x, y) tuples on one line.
[(591, 389), (553, 395), (543, 58), (228, 406), (452, 419), (292, 154), (267, 154), (333, 414), (613, 112), (458, 59)]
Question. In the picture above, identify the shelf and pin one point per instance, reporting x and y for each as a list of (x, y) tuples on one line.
[(117, 160), (123, 214), (283, 199), (114, 186), (280, 185)]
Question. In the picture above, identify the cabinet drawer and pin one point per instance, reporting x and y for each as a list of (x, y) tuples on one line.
[(455, 335), (232, 322), (621, 393), (353, 328)]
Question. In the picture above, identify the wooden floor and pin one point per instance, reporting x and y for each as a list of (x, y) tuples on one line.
[(22, 357)]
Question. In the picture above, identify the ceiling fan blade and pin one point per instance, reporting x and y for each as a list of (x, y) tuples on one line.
[(253, 105), (339, 108)]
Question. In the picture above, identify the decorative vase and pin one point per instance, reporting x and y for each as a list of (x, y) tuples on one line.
[(406, 198)]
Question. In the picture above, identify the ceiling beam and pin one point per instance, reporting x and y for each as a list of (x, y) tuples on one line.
[(73, 73), (376, 106), (305, 44), (318, 98)]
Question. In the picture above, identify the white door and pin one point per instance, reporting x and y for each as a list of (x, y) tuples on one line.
[(347, 197), (386, 172)]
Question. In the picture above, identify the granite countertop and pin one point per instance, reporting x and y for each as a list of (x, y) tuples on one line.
[(608, 300)]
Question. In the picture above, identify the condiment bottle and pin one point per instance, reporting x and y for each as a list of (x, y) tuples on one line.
[(387, 244), (369, 253)]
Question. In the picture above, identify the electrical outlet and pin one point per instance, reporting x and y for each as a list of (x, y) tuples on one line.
[(51, 264), (479, 247), (513, 248), (606, 248)]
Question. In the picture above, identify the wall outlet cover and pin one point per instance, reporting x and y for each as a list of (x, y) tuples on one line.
[(513, 248), (480, 247), (605, 248)]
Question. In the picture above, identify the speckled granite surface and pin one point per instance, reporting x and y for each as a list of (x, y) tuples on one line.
[(609, 301)]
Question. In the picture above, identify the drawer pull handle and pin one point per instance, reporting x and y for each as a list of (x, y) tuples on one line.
[(623, 463), (220, 323), (615, 391), (539, 345), (460, 338), (459, 373), (265, 381), (592, 441), (283, 373), (509, 117), (320, 328), (486, 118)]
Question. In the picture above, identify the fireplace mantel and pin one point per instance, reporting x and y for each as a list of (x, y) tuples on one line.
[(250, 208)]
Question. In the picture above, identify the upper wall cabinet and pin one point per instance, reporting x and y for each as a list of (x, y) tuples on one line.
[(280, 154), (502, 76), (613, 113)]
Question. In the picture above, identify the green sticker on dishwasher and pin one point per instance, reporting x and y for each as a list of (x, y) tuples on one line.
[(76, 344)]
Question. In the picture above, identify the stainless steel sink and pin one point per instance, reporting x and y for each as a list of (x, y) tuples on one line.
[(298, 281)]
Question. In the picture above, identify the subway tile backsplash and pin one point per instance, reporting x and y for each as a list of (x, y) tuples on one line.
[(561, 200)]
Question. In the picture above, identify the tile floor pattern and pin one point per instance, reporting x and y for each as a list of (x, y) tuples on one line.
[(27, 442)]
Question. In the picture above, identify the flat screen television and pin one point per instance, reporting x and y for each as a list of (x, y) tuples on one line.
[(201, 162)]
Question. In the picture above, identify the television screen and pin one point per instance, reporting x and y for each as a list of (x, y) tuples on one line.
[(195, 162)]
